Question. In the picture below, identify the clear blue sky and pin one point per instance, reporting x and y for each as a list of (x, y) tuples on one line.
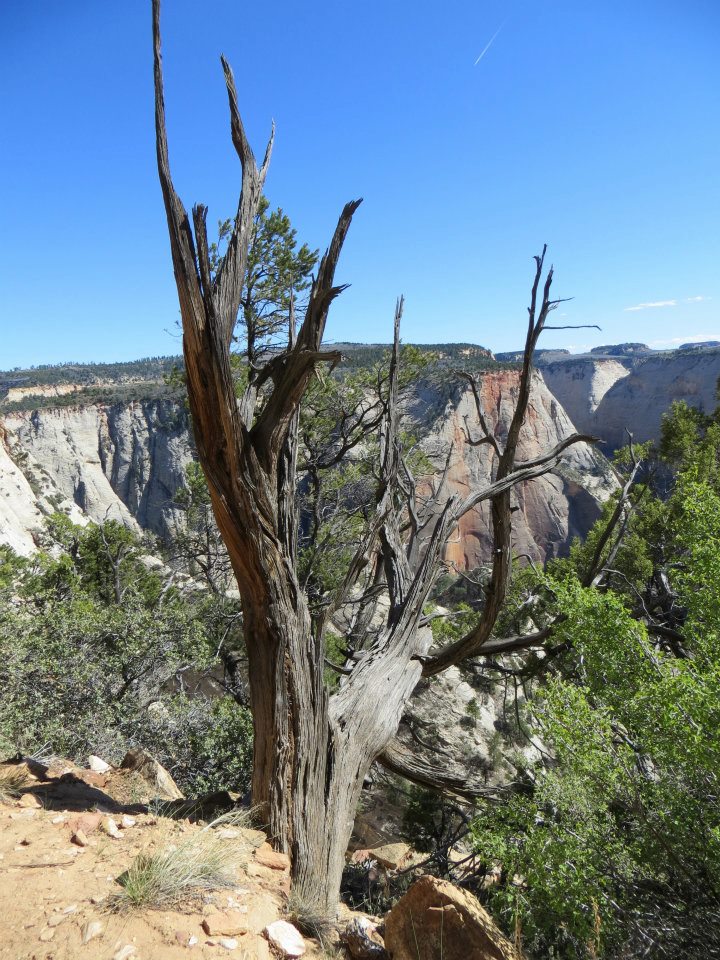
[(592, 125)]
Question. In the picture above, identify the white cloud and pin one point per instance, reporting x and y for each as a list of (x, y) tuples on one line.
[(697, 299), (649, 306)]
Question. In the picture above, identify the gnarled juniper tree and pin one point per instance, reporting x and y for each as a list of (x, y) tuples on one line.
[(313, 748)]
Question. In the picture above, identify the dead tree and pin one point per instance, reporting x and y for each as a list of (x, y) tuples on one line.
[(313, 749)]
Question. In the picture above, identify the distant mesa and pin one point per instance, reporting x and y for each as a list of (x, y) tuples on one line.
[(700, 345), (515, 356), (622, 350)]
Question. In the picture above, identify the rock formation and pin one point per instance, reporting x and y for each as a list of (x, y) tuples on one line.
[(120, 461), (551, 510), (127, 461), (608, 396)]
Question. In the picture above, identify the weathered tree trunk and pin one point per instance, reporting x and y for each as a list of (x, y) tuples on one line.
[(312, 749)]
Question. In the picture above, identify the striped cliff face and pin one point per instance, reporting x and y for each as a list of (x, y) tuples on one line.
[(551, 510)]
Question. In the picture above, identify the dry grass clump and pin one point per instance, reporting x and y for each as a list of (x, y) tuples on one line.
[(206, 860), (13, 781), (312, 923)]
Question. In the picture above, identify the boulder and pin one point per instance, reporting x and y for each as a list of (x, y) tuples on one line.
[(149, 769), (437, 919)]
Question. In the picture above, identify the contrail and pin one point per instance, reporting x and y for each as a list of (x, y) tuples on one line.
[(489, 43)]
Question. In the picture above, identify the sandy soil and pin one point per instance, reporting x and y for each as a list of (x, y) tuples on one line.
[(51, 889)]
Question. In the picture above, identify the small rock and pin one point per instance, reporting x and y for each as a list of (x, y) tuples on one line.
[(47, 934), (126, 822), (267, 857), (91, 930), (286, 938), (124, 953), (228, 923), (89, 777), (185, 939), (98, 898), (56, 921), (111, 828), (230, 943), (152, 771), (98, 765), (86, 822), (29, 800), (392, 856), (71, 909), (59, 819), (362, 940), (79, 839)]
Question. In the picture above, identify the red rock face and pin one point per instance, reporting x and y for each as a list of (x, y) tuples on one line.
[(550, 510)]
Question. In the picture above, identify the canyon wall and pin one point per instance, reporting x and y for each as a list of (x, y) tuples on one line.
[(549, 511), (127, 461), (605, 397), (97, 461)]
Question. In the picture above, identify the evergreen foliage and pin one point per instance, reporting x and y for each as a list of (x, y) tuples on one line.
[(613, 848), (99, 652)]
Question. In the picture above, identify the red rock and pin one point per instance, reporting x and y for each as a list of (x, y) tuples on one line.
[(87, 777), (229, 923), (435, 912), (268, 857)]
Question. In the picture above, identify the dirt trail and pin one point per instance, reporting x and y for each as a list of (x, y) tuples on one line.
[(51, 889)]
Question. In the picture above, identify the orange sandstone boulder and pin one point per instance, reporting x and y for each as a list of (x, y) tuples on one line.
[(437, 919)]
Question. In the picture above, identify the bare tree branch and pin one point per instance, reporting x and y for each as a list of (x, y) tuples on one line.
[(399, 760)]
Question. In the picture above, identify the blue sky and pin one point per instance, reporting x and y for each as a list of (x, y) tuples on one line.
[(592, 125)]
